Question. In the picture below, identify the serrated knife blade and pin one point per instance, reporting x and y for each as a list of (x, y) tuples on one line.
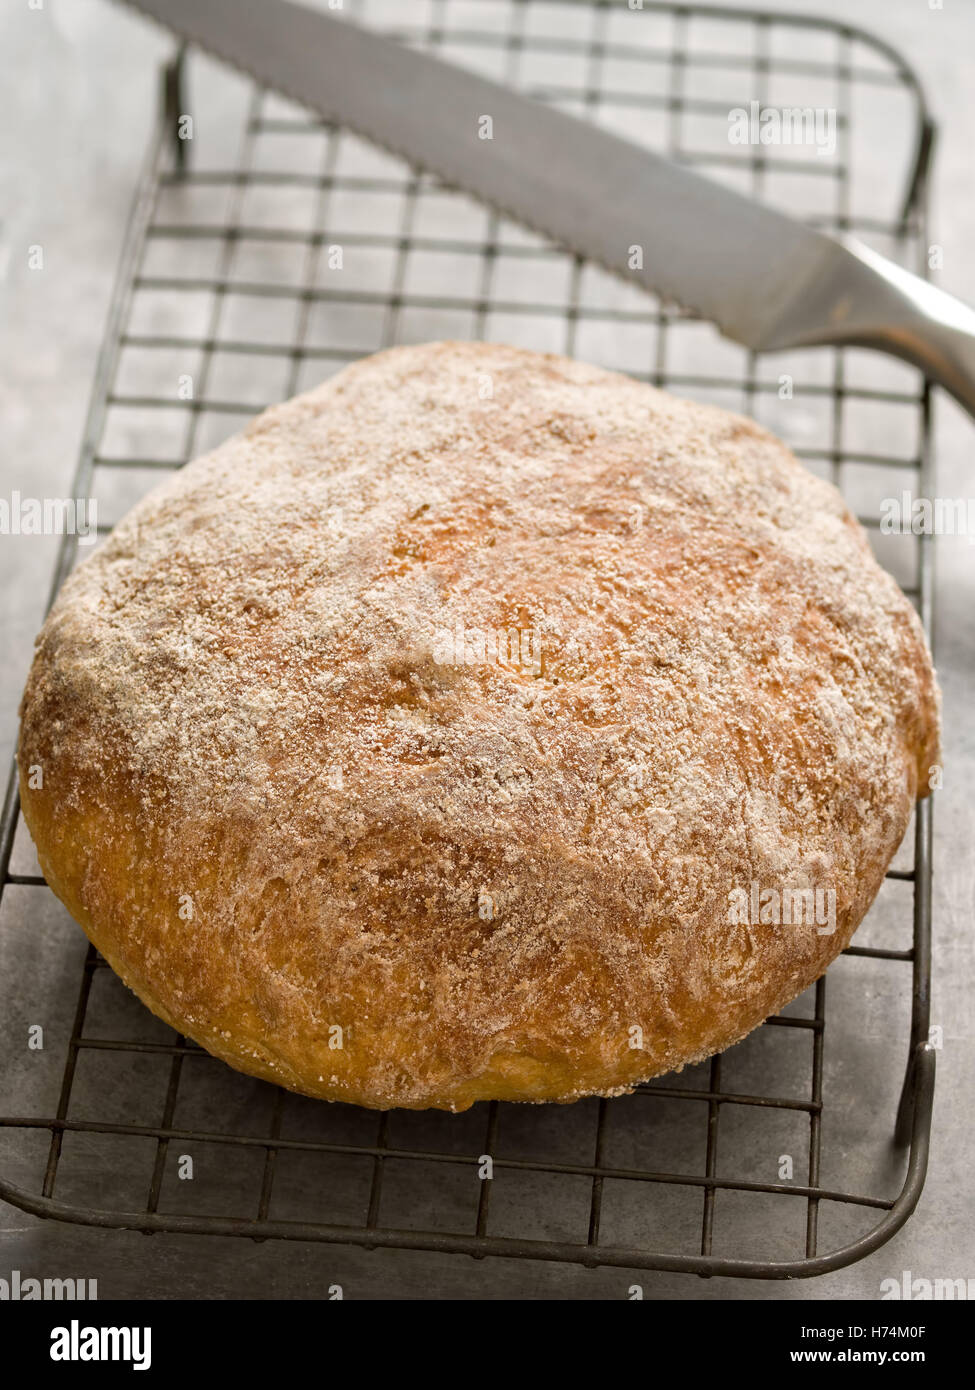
[(763, 278)]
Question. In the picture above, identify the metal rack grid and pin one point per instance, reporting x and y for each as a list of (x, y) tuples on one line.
[(640, 1182)]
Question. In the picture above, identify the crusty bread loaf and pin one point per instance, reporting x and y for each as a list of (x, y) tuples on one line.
[(453, 732)]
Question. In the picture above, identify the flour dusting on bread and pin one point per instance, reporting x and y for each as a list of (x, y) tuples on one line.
[(456, 696)]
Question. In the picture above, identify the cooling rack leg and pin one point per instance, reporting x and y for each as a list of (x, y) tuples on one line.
[(174, 105), (905, 1106), (917, 185), (904, 1125)]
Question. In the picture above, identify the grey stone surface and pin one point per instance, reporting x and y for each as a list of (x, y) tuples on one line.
[(80, 83)]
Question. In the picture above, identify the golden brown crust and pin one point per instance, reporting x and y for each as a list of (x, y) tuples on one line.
[(284, 797)]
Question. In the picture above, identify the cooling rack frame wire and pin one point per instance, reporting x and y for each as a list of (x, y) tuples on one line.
[(166, 165)]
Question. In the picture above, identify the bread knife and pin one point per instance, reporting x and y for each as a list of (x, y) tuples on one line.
[(766, 280)]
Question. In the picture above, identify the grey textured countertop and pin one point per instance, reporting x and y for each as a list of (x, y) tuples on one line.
[(80, 80)]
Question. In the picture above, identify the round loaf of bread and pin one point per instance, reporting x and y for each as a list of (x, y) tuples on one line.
[(480, 725)]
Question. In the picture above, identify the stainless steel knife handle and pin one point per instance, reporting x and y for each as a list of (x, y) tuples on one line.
[(860, 298)]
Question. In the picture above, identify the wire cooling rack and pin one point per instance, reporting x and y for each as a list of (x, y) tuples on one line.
[(780, 1158)]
